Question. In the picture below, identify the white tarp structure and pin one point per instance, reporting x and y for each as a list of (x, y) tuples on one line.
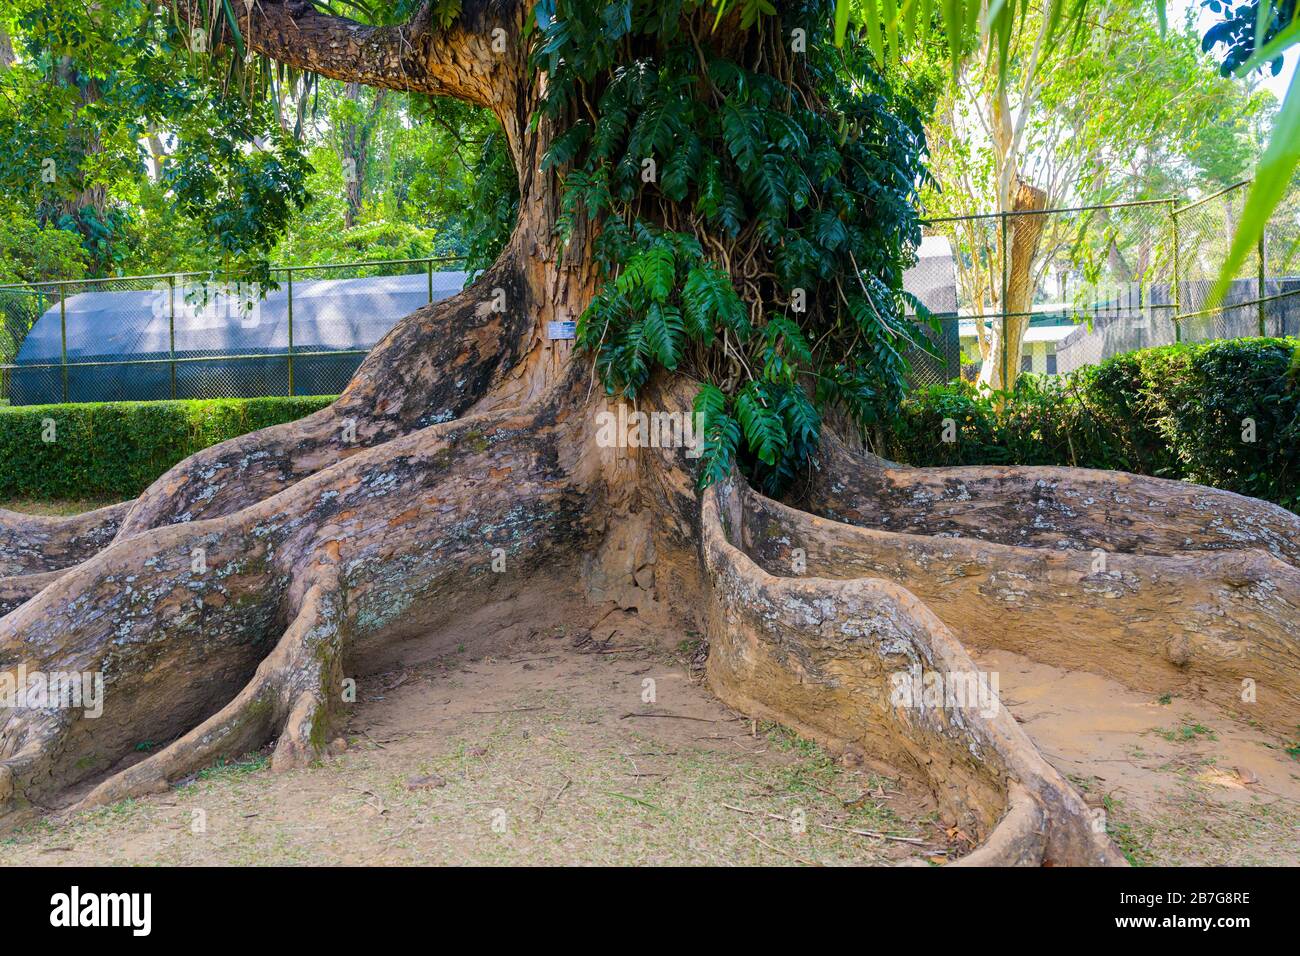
[(216, 340), (933, 280)]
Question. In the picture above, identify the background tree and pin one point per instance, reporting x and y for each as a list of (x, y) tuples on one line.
[(1078, 125), (1253, 35), (89, 85), (436, 181), (169, 168)]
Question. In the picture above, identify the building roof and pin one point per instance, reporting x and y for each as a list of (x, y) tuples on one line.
[(1035, 333)]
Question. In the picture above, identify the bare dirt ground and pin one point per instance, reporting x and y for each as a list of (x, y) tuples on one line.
[(545, 751), (515, 740), (1181, 783)]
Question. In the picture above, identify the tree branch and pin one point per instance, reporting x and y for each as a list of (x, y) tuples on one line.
[(457, 61)]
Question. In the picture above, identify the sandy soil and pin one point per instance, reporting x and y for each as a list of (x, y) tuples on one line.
[(1181, 783), (545, 752)]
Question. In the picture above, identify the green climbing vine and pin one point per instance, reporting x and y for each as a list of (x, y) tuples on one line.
[(751, 193)]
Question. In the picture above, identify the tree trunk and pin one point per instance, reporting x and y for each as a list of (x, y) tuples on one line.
[(226, 606), (90, 195), (355, 138), (1024, 233)]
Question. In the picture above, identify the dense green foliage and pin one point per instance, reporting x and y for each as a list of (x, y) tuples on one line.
[(752, 194), (434, 179), (128, 149), (1182, 411), (89, 85), (118, 448)]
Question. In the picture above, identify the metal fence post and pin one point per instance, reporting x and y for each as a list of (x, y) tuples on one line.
[(171, 327), (63, 332), (1263, 329), (1173, 221), (1006, 254), (289, 273), (429, 264)]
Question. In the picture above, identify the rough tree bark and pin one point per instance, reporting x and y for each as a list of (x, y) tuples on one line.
[(1024, 234), (466, 432)]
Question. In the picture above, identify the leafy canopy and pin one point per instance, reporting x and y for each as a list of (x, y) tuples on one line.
[(1254, 34), (89, 83)]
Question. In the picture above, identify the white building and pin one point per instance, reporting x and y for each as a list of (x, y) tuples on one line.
[(933, 280), (1038, 349)]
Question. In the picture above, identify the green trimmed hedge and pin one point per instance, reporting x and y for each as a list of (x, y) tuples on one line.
[(1173, 412), (109, 449)]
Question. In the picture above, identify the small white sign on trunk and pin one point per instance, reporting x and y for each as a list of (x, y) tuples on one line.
[(561, 330)]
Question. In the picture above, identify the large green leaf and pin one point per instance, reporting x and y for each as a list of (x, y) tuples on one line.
[(1272, 179)]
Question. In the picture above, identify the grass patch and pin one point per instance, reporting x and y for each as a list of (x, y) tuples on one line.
[(240, 767), (1186, 731), (1132, 838), (57, 507)]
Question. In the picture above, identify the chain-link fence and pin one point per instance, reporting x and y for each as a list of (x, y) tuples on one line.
[(1051, 291), (195, 335), (1045, 291)]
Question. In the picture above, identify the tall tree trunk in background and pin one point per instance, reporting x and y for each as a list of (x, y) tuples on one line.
[(355, 141), (1120, 270), (157, 155), (1024, 234)]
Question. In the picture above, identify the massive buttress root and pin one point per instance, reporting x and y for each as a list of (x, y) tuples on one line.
[(459, 349), (1163, 586), (1045, 507), (827, 657), (813, 621), (221, 651)]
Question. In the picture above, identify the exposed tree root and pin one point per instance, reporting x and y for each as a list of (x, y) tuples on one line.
[(408, 525), (1220, 625), (21, 588), (33, 544), (216, 655), (372, 548), (823, 656), (1066, 508), (291, 694), (465, 348)]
